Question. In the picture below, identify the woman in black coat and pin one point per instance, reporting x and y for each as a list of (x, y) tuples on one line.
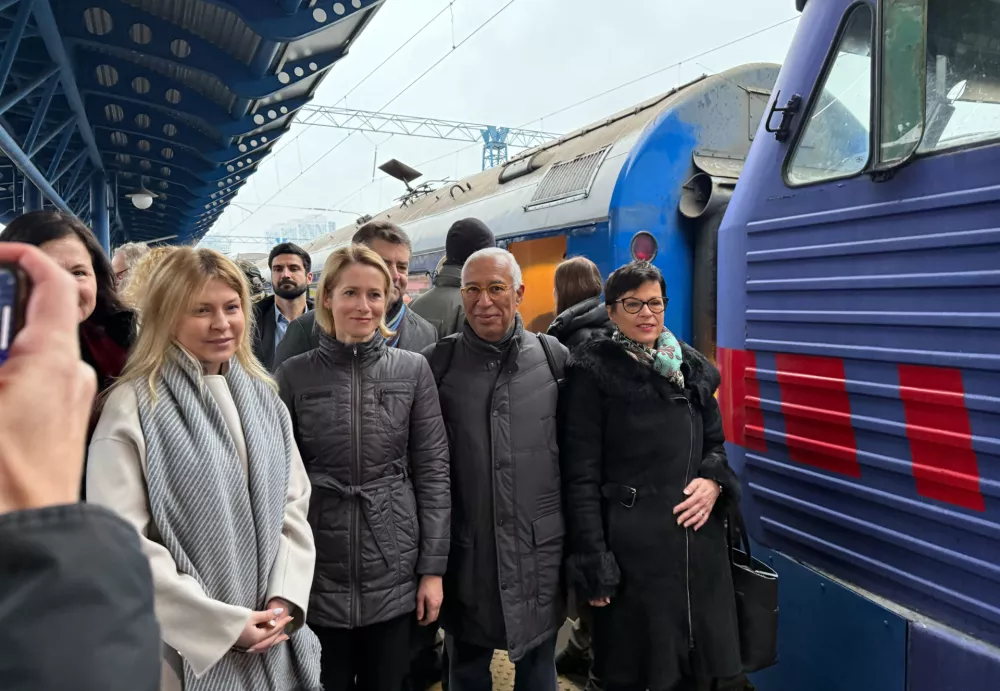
[(581, 311), (647, 488)]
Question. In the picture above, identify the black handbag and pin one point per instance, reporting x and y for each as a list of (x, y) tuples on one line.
[(756, 586)]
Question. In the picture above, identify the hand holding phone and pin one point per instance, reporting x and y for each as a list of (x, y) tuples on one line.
[(14, 290), (46, 391)]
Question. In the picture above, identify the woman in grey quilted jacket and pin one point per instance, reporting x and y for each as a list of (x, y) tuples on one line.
[(369, 427)]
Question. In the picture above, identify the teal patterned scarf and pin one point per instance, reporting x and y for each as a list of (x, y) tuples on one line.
[(665, 358)]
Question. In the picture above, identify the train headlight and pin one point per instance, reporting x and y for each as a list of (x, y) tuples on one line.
[(643, 247)]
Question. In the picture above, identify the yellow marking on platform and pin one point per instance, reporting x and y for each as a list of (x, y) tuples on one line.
[(503, 676)]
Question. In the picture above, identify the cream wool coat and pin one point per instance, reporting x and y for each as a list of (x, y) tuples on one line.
[(193, 626)]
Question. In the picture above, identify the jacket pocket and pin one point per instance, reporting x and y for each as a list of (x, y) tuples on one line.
[(314, 413), (394, 403), (548, 533)]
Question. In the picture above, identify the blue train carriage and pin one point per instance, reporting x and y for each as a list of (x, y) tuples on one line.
[(648, 182), (859, 284)]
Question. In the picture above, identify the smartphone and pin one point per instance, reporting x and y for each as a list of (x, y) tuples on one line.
[(14, 291)]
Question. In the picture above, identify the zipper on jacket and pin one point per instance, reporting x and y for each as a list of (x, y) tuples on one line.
[(356, 480), (687, 531)]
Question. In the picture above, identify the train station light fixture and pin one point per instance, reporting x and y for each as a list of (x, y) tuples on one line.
[(142, 198)]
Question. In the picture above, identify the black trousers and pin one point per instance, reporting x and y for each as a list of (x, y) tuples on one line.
[(368, 658), (469, 667), (426, 654)]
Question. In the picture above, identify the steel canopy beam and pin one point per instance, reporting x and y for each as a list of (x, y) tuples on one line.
[(51, 135), (10, 100), (40, 113), (13, 41), (21, 160), (49, 31), (60, 152)]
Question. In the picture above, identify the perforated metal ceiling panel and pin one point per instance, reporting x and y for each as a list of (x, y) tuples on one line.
[(182, 97)]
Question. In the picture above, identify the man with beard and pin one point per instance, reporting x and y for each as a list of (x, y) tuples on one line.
[(291, 274), (412, 332)]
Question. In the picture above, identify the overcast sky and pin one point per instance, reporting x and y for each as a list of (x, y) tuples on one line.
[(535, 58)]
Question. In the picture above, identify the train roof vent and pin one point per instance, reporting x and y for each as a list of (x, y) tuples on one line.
[(569, 180)]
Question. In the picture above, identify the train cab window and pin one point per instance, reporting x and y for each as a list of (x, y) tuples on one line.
[(836, 138), (902, 90), (963, 74)]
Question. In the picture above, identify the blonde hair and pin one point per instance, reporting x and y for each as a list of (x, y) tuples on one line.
[(174, 283), (137, 281), (335, 265)]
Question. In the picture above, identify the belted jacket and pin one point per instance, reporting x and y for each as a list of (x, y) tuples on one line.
[(368, 424)]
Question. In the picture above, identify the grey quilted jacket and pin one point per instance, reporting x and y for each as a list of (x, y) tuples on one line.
[(369, 427)]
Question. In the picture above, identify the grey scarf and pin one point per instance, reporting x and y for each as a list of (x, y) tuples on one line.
[(222, 525)]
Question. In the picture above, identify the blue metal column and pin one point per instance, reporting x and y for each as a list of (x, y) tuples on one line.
[(32, 197), (100, 222)]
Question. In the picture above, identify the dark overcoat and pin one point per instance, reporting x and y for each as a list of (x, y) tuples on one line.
[(626, 428)]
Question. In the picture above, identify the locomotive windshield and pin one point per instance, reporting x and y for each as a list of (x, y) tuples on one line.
[(938, 88)]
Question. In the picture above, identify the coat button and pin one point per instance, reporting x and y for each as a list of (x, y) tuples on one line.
[(503, 585), (497, 465), (500, 522), (495, 413)]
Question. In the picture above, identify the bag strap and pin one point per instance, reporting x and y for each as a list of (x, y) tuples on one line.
[(556, 366), (742, 540), (440, 359)]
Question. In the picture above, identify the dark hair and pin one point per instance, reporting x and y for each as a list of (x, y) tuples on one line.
[(629, 277), (381, 230), (38, 227), (576, 279), (290, 248)]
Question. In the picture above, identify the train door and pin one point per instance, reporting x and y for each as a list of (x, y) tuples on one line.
[(538, 259), (858, 333)]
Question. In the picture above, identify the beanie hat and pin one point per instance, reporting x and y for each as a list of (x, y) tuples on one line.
[(465, 237)]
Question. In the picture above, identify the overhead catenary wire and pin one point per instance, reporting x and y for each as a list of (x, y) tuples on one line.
[(284, 144), (594, 97), (558, 111), (388, 103), (378, 67)]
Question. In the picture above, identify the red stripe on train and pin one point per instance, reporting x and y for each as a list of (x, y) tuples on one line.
[(817, 412), (940, 434), (739, 399)]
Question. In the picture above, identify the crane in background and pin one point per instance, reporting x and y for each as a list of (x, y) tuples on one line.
[(496, 140)]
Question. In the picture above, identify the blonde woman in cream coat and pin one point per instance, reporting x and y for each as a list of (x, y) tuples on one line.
[(195, 449)]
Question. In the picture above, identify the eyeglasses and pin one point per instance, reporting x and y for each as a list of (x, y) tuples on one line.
[(635, 305), (494, 290), (120, 276)]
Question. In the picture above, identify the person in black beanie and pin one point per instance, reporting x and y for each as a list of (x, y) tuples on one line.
[(442, 304)]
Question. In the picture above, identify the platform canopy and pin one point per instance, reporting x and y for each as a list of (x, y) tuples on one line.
[(181, 98)]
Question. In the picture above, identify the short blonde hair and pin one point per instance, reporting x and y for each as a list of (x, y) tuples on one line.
[(137, 282), (173, 284), (334, 267)]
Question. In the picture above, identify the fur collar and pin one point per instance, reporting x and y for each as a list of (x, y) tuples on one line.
[(617, 372)]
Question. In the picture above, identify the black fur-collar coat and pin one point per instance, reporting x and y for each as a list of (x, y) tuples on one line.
[(626, 428)]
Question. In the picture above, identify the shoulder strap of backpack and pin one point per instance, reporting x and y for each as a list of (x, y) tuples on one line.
[(440, 359), (557, 363)]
